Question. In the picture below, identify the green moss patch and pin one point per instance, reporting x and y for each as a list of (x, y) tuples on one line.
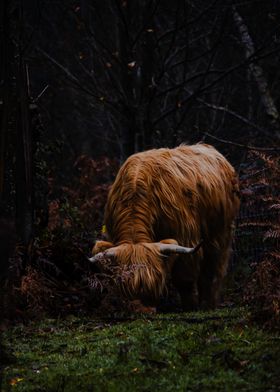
[(214, 351)]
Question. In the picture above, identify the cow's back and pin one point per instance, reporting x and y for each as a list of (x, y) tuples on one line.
[(172, 193)]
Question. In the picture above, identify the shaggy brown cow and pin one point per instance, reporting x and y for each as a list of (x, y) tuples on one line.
[(161, 202)]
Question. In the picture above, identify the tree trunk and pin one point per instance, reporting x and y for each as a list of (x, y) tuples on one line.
[(257, 71), (5, 95), (24, 183), (24, 150)]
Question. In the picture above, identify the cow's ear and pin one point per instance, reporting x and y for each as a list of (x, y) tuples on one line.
[(169, 241), (100, 246)]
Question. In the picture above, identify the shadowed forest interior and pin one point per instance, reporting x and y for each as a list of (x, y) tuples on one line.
[(84, 85)]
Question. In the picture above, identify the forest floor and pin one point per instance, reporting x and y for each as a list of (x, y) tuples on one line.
[(202, 351)]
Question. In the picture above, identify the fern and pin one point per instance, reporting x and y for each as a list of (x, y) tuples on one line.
[(261, 183)]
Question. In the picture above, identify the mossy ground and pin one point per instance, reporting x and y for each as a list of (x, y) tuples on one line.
[(214, 351)]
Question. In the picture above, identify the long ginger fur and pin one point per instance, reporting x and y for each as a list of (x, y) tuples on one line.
[(184, 194)]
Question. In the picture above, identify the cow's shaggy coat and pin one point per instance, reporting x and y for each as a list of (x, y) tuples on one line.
[(178, 195)]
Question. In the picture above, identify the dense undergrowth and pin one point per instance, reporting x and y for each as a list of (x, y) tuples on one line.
[(58, 339), (259, 234), (215, 351), (59, 280)]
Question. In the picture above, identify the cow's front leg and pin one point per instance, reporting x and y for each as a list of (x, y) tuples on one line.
[(189, 296), (213, 270)]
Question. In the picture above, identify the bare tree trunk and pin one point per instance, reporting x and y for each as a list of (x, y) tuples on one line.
[(24, 153), (24, 186), (137, 52), (127, 131), (5, 81), (256, 70)]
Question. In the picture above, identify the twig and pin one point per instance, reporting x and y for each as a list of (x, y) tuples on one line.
[(77, 82), (248, 147), (41, 93), (229, 71), (234, 114), (145, 24), (188, 23)]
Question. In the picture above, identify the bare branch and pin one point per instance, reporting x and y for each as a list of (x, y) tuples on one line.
[(234, 114), (73, 79), (138, 35), (194, 20), (247, 146), (67, 73), (182, 84), (229, 71), (41, 93)]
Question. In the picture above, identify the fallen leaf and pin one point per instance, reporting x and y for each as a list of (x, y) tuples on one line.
[(16, 380)]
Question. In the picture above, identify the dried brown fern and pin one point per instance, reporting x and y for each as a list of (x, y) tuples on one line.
[(261, 182), (262, 293)]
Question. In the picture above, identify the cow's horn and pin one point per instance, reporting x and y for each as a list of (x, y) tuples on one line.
[(107, 254), (177, 249)]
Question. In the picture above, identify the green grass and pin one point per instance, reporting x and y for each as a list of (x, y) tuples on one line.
[(159, 353)]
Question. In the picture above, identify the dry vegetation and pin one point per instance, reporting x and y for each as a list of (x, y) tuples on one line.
[(59, 280), (261, 189)]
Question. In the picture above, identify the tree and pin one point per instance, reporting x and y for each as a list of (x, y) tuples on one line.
[(16, 138)]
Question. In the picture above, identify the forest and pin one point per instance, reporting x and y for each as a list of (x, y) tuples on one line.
[(84, 85)]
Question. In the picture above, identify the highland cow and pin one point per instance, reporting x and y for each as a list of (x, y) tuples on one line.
[(161, 205)]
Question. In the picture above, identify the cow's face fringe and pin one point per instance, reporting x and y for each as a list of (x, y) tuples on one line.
[(143, 270)]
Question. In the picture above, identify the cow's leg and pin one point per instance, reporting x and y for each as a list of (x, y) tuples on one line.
[(213, 270), (221, 271), (205, 290), (189, 296), (185, 274)]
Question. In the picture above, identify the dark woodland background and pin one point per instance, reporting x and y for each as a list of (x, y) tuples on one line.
[(84, 84)]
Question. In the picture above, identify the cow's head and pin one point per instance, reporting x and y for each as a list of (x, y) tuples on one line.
[(143, 266)]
